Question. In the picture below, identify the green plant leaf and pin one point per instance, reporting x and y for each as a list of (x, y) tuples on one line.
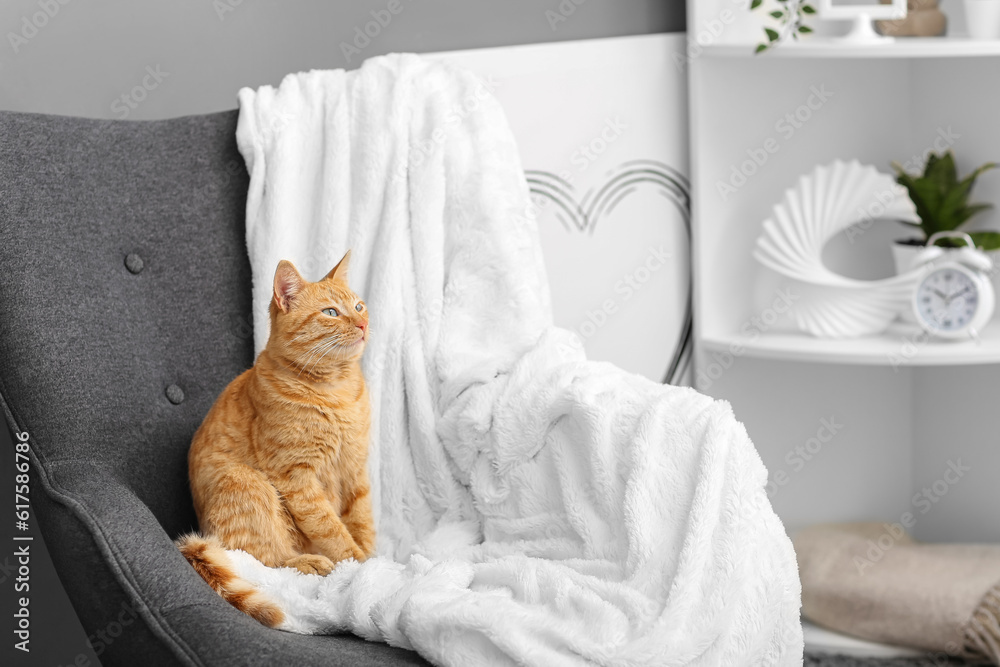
[(986, 240), (755, 4), (910, 183), (777, 14), (932, 159), (804, 29), (807, 9), (940, 199), (954, 204), (964, 214), (760, 47), (971, 178), (925, 198), (941, 170), (772, 35)]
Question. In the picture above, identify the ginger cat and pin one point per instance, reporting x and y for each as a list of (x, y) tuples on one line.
[(278, 467)]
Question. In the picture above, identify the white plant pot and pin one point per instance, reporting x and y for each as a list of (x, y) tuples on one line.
[(983, 18), (904, 254)]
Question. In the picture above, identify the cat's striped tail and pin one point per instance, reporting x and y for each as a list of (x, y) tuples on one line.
[(208, 557)]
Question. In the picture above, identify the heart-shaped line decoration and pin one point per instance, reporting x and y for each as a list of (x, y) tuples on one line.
[(598, 202)]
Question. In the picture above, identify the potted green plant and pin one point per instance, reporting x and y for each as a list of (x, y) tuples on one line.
[(942, 203)]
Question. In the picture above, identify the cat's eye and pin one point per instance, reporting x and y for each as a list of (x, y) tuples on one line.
[(359, 307), (332, 312)]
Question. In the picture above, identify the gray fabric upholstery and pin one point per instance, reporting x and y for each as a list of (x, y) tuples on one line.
[(124, 311)]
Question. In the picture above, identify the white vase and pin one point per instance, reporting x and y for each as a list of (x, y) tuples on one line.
[(983, 18)]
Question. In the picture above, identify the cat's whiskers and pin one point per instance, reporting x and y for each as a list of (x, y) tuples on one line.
[(317, 353), (303, 360), (329, 347)]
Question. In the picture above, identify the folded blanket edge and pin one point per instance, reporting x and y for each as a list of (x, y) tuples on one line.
[(982, 631)]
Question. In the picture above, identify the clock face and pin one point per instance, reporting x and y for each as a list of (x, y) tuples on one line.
[(947, 300)]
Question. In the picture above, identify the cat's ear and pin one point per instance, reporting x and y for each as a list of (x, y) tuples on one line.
[(339, 272), (287, 283)]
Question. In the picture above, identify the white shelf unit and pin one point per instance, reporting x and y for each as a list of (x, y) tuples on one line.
[(906, 407), (828, 47), (759, 122), (902, 345)]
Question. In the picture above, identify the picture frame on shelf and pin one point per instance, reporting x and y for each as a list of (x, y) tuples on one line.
[(863, 30)]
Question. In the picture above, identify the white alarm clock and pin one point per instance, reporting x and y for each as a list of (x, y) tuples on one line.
[(954, 298)]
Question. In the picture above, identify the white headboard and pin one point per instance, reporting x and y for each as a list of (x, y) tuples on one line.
[(602, 129)]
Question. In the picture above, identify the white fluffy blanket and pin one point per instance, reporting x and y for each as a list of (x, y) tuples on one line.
[(532, 507)]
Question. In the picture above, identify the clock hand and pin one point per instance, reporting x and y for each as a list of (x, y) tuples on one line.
[(940, 294), (952, 297)]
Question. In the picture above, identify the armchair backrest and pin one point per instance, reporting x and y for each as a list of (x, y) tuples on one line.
[(124, 291)]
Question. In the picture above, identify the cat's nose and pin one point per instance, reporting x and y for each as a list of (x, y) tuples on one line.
[(362, 325)]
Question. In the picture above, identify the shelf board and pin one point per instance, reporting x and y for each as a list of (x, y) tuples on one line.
[(902, 47), (900, 345), (821, 640)]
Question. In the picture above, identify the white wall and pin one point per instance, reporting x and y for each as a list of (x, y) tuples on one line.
[(88, 54)]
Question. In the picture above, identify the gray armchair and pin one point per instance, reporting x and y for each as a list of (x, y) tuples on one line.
[(124, 311)]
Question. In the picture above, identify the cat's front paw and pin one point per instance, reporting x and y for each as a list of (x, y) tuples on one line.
[(367, 548), (311, 564), (342, 550), (365, 541)]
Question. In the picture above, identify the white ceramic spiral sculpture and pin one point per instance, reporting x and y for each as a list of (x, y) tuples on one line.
[(823, 203)]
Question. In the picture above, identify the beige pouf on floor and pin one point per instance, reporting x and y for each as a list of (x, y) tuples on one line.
[(872, 580)]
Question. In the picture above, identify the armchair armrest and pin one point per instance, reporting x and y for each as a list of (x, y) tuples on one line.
[(119, 560), (113, 557)]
